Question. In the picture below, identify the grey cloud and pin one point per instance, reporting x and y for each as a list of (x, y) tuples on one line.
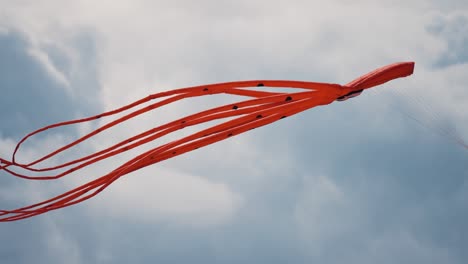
[(29, 98), (400, 182), (398, 200)]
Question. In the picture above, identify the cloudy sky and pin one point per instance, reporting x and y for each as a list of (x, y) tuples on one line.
[(352, 182)]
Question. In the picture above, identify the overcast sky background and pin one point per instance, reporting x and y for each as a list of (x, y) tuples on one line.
[(352, 182)]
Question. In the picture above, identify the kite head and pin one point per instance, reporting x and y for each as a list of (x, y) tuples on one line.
[(377, 77)]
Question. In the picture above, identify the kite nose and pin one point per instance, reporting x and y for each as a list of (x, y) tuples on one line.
[(383, 75)]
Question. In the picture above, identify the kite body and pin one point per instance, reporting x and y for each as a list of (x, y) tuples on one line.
[(260, 109)]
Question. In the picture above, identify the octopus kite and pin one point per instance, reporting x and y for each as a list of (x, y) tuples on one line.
[(260, 109)]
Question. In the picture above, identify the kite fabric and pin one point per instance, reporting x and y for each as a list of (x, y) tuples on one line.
[(262, 108)]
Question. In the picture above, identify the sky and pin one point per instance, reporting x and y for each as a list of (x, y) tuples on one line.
[(353, 182)]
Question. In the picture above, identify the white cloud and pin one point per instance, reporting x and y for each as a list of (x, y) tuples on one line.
[(161, 194), (49, 66)]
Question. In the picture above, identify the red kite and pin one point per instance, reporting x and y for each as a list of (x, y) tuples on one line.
[(262, 108)]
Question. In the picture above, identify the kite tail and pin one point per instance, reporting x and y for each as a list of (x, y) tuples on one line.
[(265, 108)]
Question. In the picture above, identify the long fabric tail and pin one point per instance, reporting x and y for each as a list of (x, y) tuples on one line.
[(262, 108)]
